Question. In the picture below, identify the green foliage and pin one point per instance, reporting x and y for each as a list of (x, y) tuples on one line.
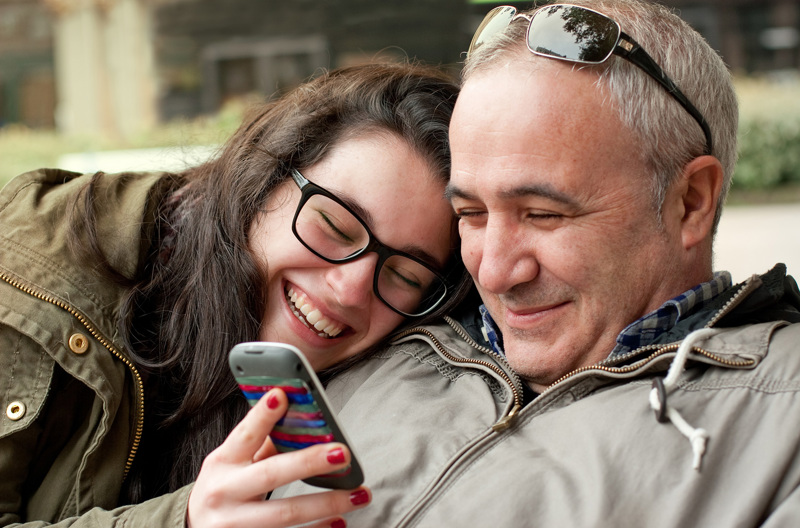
[(23, 149), (769, 134), (769, 154), (769, 137)]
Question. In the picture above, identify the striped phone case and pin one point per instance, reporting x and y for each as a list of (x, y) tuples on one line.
[(260, 366)]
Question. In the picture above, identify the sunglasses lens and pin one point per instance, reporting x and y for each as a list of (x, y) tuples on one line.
[(493, 23), (572, 33)]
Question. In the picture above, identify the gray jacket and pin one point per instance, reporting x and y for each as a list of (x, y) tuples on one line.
[(437, 423)]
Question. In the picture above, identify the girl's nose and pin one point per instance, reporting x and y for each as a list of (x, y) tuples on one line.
[(352, 281)]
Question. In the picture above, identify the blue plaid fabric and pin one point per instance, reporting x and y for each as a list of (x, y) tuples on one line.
[(643, 331), (490, 331)]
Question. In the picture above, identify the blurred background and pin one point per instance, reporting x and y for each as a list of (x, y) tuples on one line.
[(157, 84)]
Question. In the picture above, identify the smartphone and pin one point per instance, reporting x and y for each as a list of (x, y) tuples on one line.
[(260, 366)]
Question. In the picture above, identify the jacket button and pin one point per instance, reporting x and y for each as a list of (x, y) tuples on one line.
[(78, 343), (15, 410)]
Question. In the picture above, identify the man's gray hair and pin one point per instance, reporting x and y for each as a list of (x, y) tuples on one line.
[(671, 137)]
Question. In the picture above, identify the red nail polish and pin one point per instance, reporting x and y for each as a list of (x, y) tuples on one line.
[(339, 523), (272, 401), (359, 497), (336, 456)]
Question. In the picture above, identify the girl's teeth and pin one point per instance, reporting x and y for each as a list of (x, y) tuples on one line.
[(313, 317)]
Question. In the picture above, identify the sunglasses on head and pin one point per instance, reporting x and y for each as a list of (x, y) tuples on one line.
[(578, 34)]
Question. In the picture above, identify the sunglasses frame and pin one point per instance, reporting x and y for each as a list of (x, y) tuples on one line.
[(625, 47), (309, 189)]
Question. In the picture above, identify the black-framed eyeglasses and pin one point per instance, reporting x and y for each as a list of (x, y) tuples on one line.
[(579, 34), (331, 230)]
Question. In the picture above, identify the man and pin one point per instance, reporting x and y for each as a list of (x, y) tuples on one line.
[(620, 381)]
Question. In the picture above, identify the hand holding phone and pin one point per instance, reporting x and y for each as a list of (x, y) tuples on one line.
[(261, 366)]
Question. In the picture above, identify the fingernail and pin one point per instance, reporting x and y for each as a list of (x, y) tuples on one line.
[(336, 456), (359, 497), (272, 401), (338, 523)]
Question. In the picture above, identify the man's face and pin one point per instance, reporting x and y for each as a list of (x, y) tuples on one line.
[(556, 219)]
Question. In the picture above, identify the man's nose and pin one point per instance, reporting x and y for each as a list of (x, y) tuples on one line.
[(507, 257), (352, 281)]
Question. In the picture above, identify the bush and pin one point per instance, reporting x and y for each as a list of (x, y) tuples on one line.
[(769, 137), (769, 133), (23, 149), (769, 153)]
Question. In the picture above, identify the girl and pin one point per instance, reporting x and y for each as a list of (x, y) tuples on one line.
[(322, 224)]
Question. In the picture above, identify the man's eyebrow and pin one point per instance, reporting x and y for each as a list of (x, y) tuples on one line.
[(541, 190), (368, 219), (521, 191), (451, 191)]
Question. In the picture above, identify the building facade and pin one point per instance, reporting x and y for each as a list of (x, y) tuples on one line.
[(117, 67)]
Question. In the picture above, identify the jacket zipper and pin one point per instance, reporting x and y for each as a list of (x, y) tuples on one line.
[(506, 421), (509, 420), (660, 350), (136, 376)]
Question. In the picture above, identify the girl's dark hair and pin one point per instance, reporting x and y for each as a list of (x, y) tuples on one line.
[(184, 313)]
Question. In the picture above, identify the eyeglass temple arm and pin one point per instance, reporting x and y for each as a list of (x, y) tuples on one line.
[(629, 49), (298, 178)]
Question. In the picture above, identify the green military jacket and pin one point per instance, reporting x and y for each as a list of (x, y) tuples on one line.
[(71, 400)]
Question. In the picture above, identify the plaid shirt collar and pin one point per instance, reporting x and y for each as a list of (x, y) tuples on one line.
[(643, 331)]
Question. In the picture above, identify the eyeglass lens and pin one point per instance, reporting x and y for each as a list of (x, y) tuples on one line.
[(495, 21), (571, 33), (334, 233), (558, 31)]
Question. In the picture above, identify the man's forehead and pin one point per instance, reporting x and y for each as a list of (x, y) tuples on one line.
[(502, 111), (543, 132), (498, 93)]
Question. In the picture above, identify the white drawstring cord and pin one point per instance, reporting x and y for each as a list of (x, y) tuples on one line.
[(658, 402)]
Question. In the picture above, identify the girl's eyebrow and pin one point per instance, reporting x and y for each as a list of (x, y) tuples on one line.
[(356, 207), (423, 255), (369, 220)]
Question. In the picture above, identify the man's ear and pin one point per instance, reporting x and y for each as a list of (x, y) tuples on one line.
[(700, 187)]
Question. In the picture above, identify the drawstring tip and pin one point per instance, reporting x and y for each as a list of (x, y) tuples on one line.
[(699, 439), (661, 388)]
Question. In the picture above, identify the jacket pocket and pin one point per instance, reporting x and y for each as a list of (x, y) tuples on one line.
[(26, 372)]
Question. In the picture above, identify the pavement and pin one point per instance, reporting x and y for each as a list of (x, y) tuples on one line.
[(753, 238)]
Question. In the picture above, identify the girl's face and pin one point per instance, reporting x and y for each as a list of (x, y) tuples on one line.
[(396, 194)]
